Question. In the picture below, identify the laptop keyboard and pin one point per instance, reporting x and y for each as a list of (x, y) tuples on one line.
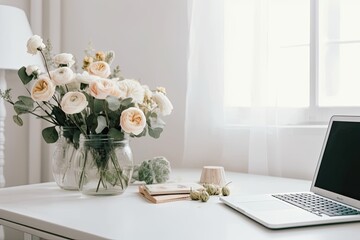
[(316, 204)]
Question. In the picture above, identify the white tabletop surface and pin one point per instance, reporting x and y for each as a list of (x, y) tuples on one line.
[(46, 209)]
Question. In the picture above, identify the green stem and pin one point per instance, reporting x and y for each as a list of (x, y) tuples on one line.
[(46, 64), (81, 181), (106, 114), (118, 171), (77, 125), (69, 163), (98, 185)]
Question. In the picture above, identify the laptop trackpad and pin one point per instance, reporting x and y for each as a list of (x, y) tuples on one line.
[(267, 205)]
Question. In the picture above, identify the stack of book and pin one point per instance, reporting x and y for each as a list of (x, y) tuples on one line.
[(167, 192)]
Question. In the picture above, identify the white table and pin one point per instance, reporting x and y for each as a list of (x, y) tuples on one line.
[(46, 211)]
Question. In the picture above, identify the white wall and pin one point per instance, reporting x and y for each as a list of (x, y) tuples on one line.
[(16, 138), (150, 41)]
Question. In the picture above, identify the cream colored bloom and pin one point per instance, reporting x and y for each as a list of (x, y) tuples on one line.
[(102, 88), (100, 56), (99, 68), (73, 102), (32, 69), (163, 102), (131, 88), (64, 59), (61, 76), (43, 89), (132, 120), (34, 44)]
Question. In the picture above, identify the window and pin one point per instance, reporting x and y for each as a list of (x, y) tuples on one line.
[(339, 53), (298, 56)]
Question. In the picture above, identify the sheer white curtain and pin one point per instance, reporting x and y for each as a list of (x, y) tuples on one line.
[(204, 106), (238, 107)]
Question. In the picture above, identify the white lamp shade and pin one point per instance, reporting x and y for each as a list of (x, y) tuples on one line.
[(15, 32)]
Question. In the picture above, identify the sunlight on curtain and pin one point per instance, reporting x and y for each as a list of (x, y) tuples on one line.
[(204, 102), (248, 64)]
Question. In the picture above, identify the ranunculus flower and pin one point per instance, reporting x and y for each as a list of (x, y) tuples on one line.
[(32, 69), (73, 102), (132, 120), (163, 103), (102, 88), (43, 89), (99, 68), (64, 59), (34, 44), (100, 56), (131, 88), (61, 76), (115, 92)]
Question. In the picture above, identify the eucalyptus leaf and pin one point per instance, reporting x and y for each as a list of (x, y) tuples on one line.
[(91, 121), (153, 115), (17, 119), (157, 123), (101, 124), (126, 102), (155, 132), (114, 118), (27, 101), (59, 115), (113, 103), (50, 134), (23, 76), (116, 134), (98, 105), (20, 107)]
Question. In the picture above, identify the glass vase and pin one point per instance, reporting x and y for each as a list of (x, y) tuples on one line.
[(104, 166), (63, 168)]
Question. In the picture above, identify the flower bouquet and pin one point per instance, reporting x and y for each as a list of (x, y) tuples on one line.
[(98, 107)]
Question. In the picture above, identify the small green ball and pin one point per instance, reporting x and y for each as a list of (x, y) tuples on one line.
[(204, 196), (225, 191), (211, 189), (218, 190), (194, 195)]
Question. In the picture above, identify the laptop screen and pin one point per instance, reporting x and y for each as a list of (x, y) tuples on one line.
[(339, 170)]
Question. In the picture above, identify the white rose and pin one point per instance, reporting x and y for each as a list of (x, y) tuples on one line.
[(34, 44), (64, 59), (32, 69), (73, 102), (163, 103), (132, 120), (102, 88), (115, 92), (43, 89), (131, 88), (62, 75), (99, 68)]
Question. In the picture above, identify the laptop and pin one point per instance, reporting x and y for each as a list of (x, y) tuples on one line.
[(334, 196)]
